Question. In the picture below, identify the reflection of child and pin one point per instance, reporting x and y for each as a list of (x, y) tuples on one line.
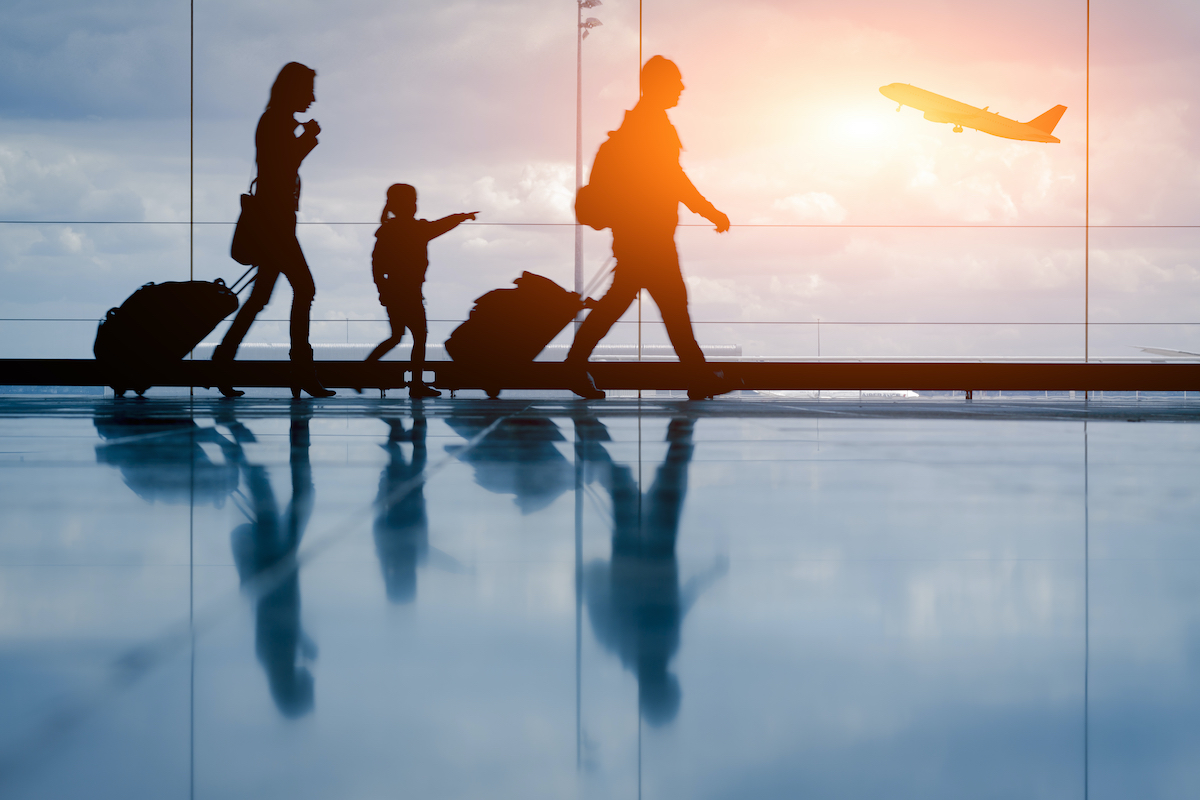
[(398, 263)]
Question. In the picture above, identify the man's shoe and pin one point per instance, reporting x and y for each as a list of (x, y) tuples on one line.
[(711, 384), (583, 385), (417, 389)]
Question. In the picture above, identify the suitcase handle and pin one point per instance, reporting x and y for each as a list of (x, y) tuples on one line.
[(598, 279), (235, 288)]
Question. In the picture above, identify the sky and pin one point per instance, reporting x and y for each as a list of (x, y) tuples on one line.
[(782, 124)]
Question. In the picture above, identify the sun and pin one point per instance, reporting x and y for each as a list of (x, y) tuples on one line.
[(859, 127)]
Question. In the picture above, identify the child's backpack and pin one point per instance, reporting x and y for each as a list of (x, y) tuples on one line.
[(598, 204)]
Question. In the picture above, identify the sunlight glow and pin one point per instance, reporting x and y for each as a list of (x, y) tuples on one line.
[(859, 127)]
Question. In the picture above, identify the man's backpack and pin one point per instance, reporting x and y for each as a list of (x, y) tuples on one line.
[(599, 204)]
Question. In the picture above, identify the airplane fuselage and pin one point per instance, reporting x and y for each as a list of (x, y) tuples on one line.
[(942, 109)]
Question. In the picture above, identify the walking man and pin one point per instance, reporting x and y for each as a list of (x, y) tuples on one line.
[(643, 207)]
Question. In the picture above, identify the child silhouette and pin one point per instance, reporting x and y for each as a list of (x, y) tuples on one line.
[(398, 264)]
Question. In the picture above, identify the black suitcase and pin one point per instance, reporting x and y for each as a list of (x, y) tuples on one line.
[(511, 326), (158, 324)]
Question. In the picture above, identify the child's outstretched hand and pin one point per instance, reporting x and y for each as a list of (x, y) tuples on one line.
[(468, 215)]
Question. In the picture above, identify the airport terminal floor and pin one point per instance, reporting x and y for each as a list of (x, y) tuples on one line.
[(546, 598)]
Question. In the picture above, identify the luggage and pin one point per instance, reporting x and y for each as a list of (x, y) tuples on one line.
[(158, 324), (600, 202), (511, 326)]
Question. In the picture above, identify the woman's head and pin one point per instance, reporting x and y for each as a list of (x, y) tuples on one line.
[(401, 202), (293, 89)]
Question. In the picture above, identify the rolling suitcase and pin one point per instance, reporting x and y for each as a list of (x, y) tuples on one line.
[(158, 324), (511, 326)]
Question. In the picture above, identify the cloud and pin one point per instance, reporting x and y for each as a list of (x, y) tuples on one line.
[(812, 207), (474, 103), (74, 60)]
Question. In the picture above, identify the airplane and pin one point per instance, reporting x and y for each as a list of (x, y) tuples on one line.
[(943, 109)]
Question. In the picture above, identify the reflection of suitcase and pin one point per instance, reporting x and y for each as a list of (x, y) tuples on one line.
[(158, 324), (511, 326)]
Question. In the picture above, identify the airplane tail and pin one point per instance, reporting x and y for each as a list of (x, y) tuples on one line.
[(1047, 121)]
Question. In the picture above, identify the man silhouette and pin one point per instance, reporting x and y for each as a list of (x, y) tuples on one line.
[(653, 184), (636, 601)]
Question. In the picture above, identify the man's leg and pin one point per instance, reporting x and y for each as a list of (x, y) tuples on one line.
[(607, 311), (601, 318), (670, 295)]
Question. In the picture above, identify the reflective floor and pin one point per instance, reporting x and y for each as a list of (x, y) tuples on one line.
[(545, 599)]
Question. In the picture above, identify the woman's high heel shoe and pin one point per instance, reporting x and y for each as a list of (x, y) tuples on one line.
[(304, 375), (314, 388), (304, 378)]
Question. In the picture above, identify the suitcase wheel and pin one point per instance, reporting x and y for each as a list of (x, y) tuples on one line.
[(492, 392), (119, 391)]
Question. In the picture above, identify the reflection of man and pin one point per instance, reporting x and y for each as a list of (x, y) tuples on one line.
[(401, 524), (263, 549), (653, 184), (635, 602)]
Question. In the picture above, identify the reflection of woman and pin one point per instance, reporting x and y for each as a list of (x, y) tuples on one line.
[(262, 551), (279, 152)]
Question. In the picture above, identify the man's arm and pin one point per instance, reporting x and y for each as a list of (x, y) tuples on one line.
[(690, 196)]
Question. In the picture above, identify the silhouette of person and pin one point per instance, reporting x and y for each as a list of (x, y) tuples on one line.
[(635, 602), (262, 550), (401, 523), (644, 232), (517, 457), (278, 153), (398, 264), (161, 459)]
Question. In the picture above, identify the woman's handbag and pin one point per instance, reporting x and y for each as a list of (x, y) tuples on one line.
[(247, 234)]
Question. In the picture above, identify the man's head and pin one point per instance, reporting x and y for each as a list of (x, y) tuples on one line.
[(662, 82)]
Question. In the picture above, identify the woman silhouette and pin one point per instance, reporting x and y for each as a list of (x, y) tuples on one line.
[(279, 152)]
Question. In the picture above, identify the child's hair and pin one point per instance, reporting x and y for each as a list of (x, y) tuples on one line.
[(398, 194)]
